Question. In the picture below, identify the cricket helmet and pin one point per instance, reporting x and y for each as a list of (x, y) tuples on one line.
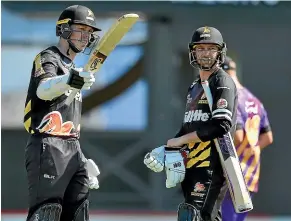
[(207, 35), (76, 14)]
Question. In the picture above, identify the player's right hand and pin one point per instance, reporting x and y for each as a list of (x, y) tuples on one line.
[(93, 183), (80, 79), (89, 79), (154, 160), (93, 172)]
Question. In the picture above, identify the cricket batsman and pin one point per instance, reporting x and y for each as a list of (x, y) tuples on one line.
[(59, 176), (191, 158), (253, 133)]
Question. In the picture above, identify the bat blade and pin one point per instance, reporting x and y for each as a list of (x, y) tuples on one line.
[(109, 41), (233, 174), (231, 166), (106, 45)]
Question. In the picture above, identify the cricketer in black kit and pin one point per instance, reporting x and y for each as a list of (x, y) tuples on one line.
[(59, 176), (191, 158)]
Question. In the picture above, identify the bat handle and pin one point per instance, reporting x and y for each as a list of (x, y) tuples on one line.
[(71, 97), (207, 92)]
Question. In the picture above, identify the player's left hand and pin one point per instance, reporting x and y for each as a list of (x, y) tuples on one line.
[(175, 168), (154, 160), (175, 142), (93, 173)]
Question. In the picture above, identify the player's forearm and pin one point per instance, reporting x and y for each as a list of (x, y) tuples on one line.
[(51, 88), (190, 138), (54, 87), (265, 139), (213, 129), (180, 132), (262, 144)]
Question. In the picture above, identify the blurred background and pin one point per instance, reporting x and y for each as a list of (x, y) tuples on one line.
[(138, 100)]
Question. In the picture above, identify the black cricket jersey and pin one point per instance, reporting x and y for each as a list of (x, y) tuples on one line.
[(51, 117), (209, 124)]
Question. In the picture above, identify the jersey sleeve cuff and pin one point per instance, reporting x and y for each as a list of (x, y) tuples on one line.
[(265, 129), (239, 126), (202, 137), (222, 114)]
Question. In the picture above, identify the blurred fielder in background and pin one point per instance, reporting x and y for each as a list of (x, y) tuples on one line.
[(199, 169), (253, 133)]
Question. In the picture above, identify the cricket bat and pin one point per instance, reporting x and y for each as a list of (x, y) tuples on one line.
[(230, 163), (106, 45)]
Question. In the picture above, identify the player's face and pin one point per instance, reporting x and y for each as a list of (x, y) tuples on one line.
[(206, 54), (80, 35)]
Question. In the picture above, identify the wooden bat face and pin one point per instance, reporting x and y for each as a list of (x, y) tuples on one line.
[(109, 41), (106, 45)]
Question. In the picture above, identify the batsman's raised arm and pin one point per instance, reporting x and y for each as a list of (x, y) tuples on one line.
[(50, 84), (59, 175)]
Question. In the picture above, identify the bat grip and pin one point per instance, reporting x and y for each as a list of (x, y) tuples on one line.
[(71, 97), (207, 92)]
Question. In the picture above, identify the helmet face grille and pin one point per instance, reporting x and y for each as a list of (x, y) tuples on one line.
[(77, 14), (207, 35)]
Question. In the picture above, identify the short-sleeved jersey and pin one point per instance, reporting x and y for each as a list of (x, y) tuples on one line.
[(51, 117), (253, 120), (198, 114)]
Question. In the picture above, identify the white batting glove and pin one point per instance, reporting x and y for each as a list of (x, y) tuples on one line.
[(175, 168), (154, 160), (93, 173), (93, 183), (89, 78)]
